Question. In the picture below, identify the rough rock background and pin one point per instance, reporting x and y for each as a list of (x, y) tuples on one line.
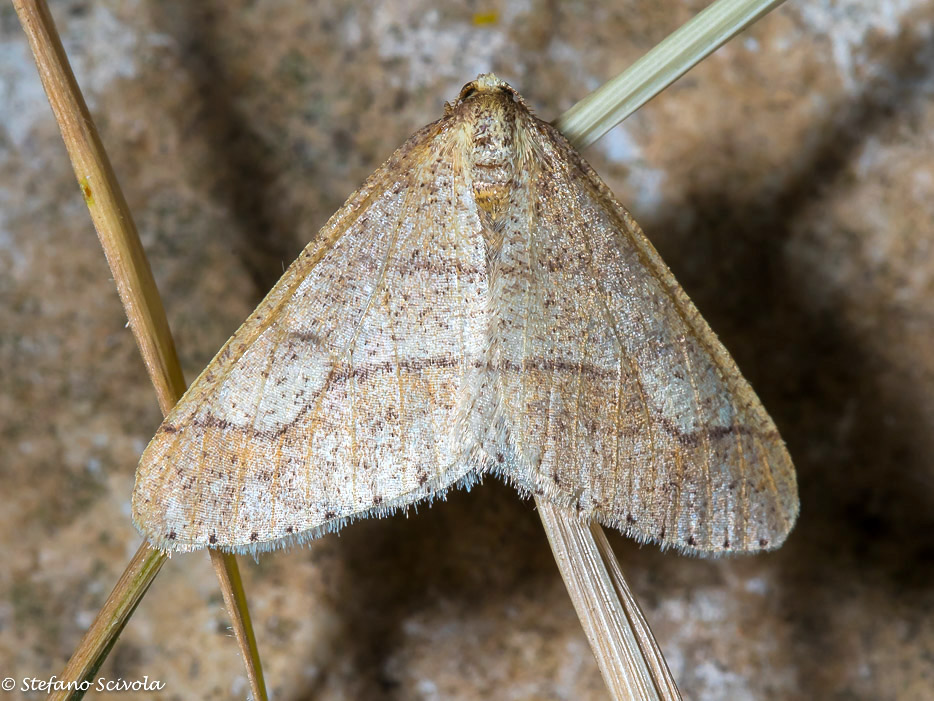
[(789, 183)]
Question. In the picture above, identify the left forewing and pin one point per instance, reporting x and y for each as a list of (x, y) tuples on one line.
[(340, 396)]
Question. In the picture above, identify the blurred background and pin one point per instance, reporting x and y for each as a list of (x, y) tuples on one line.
[(789, 183)]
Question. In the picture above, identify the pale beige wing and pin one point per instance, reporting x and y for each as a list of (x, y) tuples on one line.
[(343, 393), (617, 397)]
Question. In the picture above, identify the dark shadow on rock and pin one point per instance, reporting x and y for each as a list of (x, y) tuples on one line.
[(243, 168), (459, 552)]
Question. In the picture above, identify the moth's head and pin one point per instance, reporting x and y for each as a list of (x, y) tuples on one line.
[(484, 94)]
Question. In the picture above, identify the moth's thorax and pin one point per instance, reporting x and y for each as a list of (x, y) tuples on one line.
[(490, 115)]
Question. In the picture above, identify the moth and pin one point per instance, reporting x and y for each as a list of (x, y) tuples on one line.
[(481, 305)]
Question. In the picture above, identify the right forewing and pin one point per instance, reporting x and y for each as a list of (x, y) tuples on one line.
[(620, 399)]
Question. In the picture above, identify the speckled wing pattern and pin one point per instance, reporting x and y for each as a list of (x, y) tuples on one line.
[(481, 304), (620, 400), (341, 394)]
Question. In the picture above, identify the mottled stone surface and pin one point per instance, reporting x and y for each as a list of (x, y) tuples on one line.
[(789, 183)]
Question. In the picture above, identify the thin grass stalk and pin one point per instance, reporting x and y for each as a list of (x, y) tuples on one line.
[(651, 653), (670, 59), (612, 639), (140, 296), (110, 621)]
